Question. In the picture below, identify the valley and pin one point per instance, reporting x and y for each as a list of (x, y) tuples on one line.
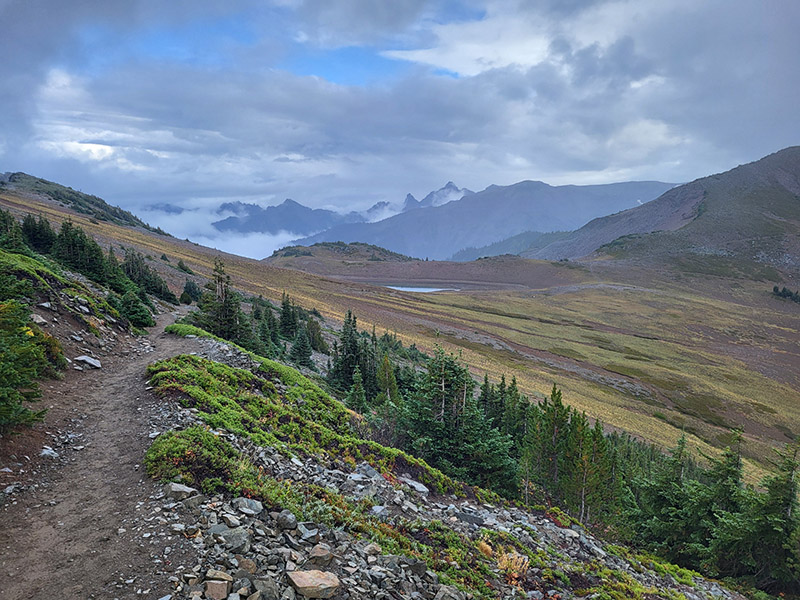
[(656, 343)]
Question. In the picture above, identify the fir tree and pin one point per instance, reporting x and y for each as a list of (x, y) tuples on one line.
[(301, 351), (387, 384), (288, 318), (356, 398)]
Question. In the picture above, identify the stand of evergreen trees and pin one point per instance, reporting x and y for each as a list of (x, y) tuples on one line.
[(786, 293), (130, 280), (294, 334), (546, 452)]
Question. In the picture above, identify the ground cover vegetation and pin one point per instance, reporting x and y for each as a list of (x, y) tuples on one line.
[(544, 452)]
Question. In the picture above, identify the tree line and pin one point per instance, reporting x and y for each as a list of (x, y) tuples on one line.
[(785, 292), (700, 516), (130, 280)]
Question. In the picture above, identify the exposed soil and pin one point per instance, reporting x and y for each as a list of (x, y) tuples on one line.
[(79, 528)]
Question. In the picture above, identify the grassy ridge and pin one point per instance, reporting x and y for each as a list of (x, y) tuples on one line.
[(278, 406)]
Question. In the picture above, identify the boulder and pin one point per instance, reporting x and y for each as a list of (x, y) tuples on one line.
[(88, 360), (314, 584), (248, 506), (178, 491), (287, 520)]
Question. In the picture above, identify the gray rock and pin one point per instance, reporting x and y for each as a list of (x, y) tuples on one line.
[(88, 360), (38, 319), (415, 485), (268, 589), (470, 518), (447, 592), (178, 490), (49, 452), (367, 470), (237, 539), (248, 506), (287, 520)]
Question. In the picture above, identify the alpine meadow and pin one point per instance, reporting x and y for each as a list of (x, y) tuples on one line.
[(420, 300)]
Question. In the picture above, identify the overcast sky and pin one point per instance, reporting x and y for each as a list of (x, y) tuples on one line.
[(343, 103)]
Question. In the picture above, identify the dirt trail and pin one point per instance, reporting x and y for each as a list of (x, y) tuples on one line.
[(79, 534)]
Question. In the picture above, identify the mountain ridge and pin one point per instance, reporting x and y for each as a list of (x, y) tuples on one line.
[(747, 211), (485, 217)]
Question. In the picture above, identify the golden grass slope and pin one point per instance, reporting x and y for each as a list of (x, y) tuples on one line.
[(652, 353)]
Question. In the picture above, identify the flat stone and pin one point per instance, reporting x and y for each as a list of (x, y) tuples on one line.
[(49, 452), (88, 360), (415, 485), (231, 521), (178, 490), (470, 518), (217, 574), (314, 584), (248, 506), (217, 589)]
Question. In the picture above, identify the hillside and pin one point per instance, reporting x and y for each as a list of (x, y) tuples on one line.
[(494, 214), (750, 214), (85, 204), (336, 495), (633, 346)]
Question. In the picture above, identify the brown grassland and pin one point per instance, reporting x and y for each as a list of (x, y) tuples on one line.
[(651, 350)]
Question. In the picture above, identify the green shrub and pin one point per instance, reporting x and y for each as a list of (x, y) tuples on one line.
[(193, 456), (22, 361)]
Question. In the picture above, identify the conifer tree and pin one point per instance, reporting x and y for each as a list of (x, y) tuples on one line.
[(387, 383), (356, 398), (132, 309), (301, 350), (272, 326), (288, 318)]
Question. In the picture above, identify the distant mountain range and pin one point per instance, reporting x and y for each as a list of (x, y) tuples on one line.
[(436, 230), (449, 193), (287, 216), (749, 213)]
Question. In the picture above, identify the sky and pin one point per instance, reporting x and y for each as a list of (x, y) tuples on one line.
[(170, 109)]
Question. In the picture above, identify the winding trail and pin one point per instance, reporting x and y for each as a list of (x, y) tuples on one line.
[(79, 533)]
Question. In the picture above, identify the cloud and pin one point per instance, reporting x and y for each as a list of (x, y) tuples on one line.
[(145, 102)]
